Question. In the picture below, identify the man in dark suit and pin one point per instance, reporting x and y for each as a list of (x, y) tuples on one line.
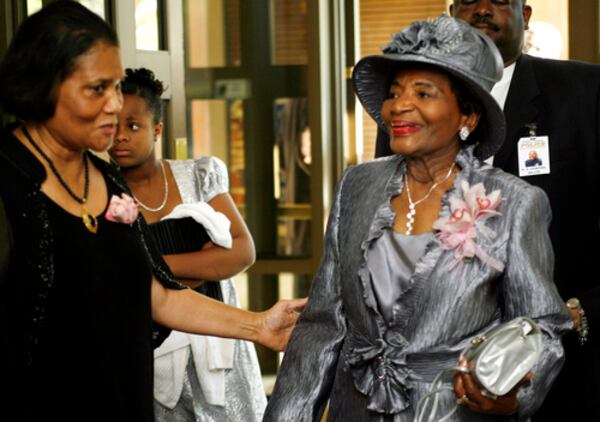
[(559, 100)]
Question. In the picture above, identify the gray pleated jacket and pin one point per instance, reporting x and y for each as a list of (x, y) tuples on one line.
[(343, 351)]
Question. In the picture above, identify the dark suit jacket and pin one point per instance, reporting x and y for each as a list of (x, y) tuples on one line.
[(563, 99)]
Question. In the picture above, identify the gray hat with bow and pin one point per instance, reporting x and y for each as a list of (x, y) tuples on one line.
[(452, 46)]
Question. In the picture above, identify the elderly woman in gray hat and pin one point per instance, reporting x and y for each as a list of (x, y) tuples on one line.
[(424, 249)]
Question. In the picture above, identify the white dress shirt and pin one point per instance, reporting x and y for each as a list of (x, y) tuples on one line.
[(500, 92)]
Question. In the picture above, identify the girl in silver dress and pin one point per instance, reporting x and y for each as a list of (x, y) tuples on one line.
[(204, 240)]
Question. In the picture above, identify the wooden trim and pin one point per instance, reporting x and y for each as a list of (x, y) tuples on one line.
[(583, 31), (285, 265)]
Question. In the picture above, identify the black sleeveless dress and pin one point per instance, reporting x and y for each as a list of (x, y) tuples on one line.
[(95, 356)]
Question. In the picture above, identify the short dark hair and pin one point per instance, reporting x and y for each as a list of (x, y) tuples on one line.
[(143, 83), (468, 103), (42, 55)]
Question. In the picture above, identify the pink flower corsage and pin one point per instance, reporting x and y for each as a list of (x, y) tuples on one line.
[(466, 224), (122, 210)]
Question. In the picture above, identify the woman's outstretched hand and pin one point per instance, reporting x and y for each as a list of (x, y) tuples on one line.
[(276, 323), (469, 394)]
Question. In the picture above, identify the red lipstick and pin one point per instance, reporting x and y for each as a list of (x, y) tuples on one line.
[(404, 127)]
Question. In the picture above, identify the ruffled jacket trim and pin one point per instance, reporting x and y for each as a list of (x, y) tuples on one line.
[(379, 368)]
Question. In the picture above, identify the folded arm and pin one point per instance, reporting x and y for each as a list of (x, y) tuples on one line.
[(217, 263)]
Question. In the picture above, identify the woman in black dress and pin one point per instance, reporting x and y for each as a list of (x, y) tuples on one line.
[(84, 281)]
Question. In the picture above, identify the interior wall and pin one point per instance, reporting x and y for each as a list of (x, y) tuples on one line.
[(556, 14)]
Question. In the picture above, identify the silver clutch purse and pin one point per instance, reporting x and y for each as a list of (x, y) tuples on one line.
[(498, 360), (501, 357)]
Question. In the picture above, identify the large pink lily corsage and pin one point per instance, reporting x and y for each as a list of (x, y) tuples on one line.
[(122, 210), (461, 231)]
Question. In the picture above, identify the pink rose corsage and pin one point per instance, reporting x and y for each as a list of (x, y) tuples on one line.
[(122, 210), (466, 224)]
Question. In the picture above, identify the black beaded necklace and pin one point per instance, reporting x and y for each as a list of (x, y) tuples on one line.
[(89, 220)]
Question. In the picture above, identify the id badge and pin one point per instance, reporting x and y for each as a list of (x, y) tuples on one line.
[(534, 156)]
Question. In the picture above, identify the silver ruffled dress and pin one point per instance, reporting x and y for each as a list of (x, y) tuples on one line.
[(201, 180)]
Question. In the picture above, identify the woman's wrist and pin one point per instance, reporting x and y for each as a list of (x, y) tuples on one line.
[(251, 326)]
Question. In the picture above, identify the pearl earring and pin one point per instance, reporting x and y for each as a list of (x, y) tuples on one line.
[(464, 133)]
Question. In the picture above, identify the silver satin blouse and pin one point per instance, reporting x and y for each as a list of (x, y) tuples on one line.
[(391, 261)]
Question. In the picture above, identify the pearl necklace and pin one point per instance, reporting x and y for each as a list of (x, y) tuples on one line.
[(164, 201), (410, 215)]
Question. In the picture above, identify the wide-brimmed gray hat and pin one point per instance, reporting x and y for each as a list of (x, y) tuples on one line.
[(451, 45)]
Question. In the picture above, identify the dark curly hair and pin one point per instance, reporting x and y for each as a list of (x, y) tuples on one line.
[(143, 83), (467, 104), (43, 53)]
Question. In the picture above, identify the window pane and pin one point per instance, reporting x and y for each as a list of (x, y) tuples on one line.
[(288, 33), (213, 33), (221, 120), (33, 6), (147, 25), (237, 184), (96, 6), (163, 145), (292, 161)]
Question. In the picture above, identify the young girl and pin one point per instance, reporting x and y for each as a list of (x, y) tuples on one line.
[(205, 242)]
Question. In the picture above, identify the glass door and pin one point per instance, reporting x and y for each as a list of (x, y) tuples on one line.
[(253, 100)]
